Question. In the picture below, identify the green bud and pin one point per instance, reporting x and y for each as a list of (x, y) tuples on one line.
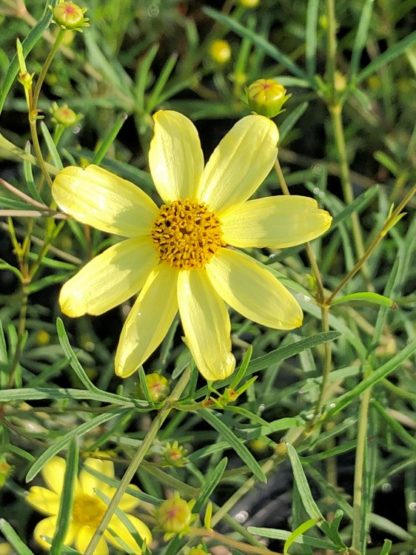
[(69, 15), (249, 3), (266, 97), (174, 515), (63, 115), (158, 387)]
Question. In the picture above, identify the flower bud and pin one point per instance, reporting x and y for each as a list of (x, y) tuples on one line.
[(249, 3), (157, 386), (174, 515), (5, 471), (220, 51), (63, 115), (69, 15), (266, 97), (174, 454)]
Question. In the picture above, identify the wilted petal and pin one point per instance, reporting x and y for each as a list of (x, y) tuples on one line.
[(274, 222), (110, 278), (253, 291), (206, 323), (99, 198), (149, 320), (240, 163), (175, 157)]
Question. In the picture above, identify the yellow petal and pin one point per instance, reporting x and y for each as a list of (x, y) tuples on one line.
[(148, 322), (129, 502), (83, 538), (274, 222), (109, 279), (53, 473), (88, 482), (240, 163), (46, 529), (206, 325), (99, 198), (43, 500), (175, 157), (249, 288), (122, 532)]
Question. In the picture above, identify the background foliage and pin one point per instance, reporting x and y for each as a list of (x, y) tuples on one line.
[(329, 420)]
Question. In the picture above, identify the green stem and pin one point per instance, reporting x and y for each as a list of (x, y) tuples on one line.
[(331, 44), (46, 66), (359, 470), (21, 327), (138, 458)]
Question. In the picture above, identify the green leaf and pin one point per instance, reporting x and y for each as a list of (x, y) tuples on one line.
[(366, 297), (386, 57), (303, 487), (241, 372), (30, 41), (312, 11), (283, 353), (291, 120), (28, 173), (395, 426), (14, 540), (258, 40), (387, 545), (361, 37), (142, 76), (234, 443), (63, 441), (165, 73), (53, 151), (212, 480), (284, 535), (66, 498), (375, 377), (40, 393), (304, 527), (109, 139)]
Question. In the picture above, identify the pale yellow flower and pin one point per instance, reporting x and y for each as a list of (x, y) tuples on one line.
[(87, 509), (181, 256)]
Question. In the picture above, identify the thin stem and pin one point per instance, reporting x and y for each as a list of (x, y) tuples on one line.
[(335, 111), (21, 326), (137, 459), (331, 44), (360, 455), (46, 66), (226, 540)]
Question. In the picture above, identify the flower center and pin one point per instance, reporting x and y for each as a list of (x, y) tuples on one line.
[(88, 510), (186, 234)]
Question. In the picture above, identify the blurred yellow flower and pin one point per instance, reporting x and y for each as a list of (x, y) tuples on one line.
[(87, 509), (181, 255), (220, 51)]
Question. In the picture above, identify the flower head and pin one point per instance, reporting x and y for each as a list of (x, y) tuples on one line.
[(266, 97), (174, 516), (69, 15), (220, 51), (87, 509), (182, 256)]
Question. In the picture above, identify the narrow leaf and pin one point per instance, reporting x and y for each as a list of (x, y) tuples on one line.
[(361, 37), (311, 36), (212, 480), (14, 540), (366, 297), (234, 442)]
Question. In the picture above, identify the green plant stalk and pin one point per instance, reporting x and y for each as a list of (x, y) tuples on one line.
[(335, 110), (137, 459), (226, 540), (21, 326), (359, 469), (320, 299)]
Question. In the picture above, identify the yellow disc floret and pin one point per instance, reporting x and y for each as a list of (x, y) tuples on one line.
[(186, 234), (87, 510)]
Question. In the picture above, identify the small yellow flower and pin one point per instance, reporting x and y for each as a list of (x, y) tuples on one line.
[(87, 508), (182, 255)]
